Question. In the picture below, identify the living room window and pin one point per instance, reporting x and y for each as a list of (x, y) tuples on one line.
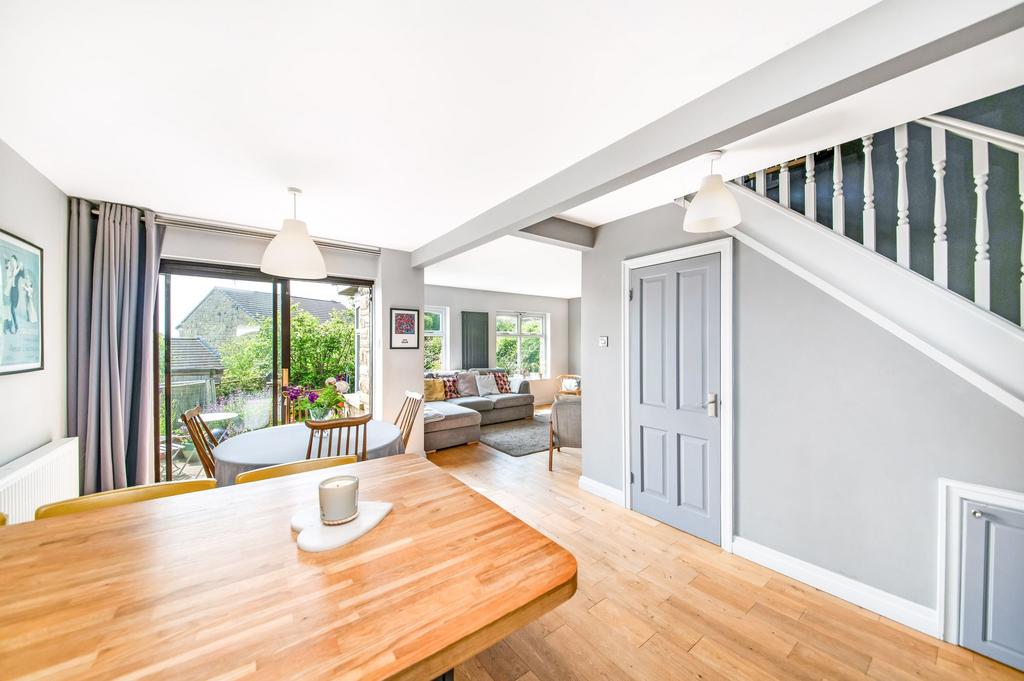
[(522, 343), (435, 339)]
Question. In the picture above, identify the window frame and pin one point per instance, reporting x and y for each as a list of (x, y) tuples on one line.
[(519, 335), (443, 334)]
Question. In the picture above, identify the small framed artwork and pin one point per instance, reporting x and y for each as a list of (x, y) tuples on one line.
[(405, 329), (21, 305)]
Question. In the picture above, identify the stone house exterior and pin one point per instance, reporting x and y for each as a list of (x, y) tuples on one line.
[(227, 313)]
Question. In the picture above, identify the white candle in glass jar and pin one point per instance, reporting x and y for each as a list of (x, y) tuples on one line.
[(339, 499)]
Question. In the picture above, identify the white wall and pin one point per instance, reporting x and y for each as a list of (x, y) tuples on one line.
[(459, 300), (33, 405), (396, 371), (575, 334)]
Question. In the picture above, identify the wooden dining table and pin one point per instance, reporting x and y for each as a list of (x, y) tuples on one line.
[(212, 585)]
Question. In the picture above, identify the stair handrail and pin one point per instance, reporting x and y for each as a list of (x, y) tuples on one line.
[(999, 138)]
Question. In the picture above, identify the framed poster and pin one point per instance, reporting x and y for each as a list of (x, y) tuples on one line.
[(405, 329), (21, 305)]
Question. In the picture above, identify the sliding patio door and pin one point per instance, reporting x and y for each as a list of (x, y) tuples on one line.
[(228, 339)]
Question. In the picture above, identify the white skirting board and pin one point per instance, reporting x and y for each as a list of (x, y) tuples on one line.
[(602, 490), (913, 615)]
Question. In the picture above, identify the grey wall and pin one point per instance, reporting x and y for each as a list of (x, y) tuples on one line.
[(575, 337), (842, 430), (473, 300), (32, 406)]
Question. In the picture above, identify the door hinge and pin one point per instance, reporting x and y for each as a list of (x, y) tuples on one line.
[(632, 478), (631, 294)]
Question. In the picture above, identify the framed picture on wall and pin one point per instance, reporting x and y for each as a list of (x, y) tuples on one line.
[(405, 329), (21, 305)]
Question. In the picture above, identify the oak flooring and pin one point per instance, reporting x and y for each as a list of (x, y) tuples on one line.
[(657, 603)]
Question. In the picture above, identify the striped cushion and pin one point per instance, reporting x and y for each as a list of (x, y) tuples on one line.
[(451, 388), (501, 378)]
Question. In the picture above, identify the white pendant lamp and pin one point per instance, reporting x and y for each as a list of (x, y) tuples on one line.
[(714, 208), (292, 254)]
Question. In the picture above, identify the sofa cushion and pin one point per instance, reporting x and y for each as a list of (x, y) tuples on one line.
[(501, 380), (510, 400), (454, 417), (485, 385), (433, 389), (451, 387), (467, 383), (473, 402)]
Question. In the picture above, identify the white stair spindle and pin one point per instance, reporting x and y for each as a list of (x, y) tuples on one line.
[(759, 183), (869, 193), (982, 264), (940, 246), (810, 207), (1020, 191), (784, 184), (838, 204), (902, 199)]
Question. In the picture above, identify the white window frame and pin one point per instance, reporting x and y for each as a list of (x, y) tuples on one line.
[(519, 336), (443, 333)]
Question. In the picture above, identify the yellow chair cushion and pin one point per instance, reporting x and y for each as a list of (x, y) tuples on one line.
[(433, 390), (292, 468), (118, 497)]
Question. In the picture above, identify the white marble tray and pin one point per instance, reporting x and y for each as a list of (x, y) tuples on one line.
[(314, 536)]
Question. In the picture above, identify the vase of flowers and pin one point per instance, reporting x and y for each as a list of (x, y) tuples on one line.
[(319, 405)]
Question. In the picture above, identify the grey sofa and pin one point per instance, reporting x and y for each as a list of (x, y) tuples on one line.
[(463, 416)]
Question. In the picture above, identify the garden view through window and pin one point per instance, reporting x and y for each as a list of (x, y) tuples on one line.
[(228, 341), (522, 343), (434, 339)]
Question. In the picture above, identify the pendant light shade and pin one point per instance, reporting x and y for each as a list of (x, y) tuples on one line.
[(713, 209), (292, 254)]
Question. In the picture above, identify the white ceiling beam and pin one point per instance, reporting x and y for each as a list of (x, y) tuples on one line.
[(561, 232), (883, 42)]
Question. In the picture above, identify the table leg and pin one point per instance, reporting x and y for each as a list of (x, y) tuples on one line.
[(447, 676)]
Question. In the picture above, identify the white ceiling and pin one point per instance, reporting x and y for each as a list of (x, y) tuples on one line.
[(400, 120), (513, 265), (984, 70)]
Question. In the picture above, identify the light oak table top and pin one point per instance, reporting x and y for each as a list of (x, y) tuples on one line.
[(211, 584)]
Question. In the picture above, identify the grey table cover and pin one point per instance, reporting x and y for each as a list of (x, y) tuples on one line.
[(284, 444)]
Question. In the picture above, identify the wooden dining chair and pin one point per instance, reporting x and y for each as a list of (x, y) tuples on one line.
[(336, 430), (118, 497), (202, 439), (407, 415), (292, 468), (3, 519), (569, 384), (292, 412)]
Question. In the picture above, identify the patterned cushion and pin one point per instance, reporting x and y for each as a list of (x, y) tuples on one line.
[(451, 387), (501, 379), (433, 390)]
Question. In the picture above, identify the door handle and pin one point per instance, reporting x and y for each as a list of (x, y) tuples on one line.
[(711, 404)]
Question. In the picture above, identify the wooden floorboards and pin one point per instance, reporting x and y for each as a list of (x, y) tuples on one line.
[(656, 603)]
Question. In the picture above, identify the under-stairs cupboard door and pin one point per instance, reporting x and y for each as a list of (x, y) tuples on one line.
[(992, 612)]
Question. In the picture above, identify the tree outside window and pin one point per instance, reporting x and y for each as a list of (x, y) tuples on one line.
[(521, 343), (434, 332)]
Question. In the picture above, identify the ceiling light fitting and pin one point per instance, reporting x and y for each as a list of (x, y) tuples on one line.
[(293, 254), (713, 208)]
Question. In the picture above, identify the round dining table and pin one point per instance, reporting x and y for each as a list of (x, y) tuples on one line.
[(285, 444)]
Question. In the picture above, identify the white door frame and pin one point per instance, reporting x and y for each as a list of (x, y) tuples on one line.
[(725, 412)]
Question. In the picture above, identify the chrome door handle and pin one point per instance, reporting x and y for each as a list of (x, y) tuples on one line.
[(977, 514), (711, 404)]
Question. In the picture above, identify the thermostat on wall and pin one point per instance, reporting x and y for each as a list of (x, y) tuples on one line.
[(602, 341)]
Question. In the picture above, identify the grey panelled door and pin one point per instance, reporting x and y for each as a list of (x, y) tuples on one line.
[(992, 591), (675, 372), (475, 334)]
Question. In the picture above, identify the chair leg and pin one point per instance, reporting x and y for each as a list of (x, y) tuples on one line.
[(551, 446)]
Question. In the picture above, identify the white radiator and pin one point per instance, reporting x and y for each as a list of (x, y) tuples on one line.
[(45, 475)]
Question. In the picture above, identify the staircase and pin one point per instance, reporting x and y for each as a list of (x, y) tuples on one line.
[(974, 255), (951, 288)]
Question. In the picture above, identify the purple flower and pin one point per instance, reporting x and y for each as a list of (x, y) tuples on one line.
[(313, 396)]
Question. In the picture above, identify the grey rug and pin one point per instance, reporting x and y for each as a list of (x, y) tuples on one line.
[(518, 438)]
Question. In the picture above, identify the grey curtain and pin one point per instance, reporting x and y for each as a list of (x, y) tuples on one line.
[(113, 266)]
